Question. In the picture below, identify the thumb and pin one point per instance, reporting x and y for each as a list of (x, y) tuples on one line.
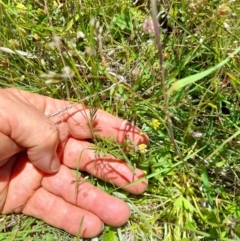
[(30, 129), (42, 151)]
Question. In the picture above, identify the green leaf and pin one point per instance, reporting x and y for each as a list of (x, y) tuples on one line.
[(178, 202), (188, 206), (120, 21), (109, 235), (182, 202), (237, 230), (69, 26), (193, 78)]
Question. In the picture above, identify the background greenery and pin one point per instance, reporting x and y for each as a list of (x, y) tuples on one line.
[(76, 49)]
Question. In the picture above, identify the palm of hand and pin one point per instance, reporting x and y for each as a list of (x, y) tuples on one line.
[(51, 197)]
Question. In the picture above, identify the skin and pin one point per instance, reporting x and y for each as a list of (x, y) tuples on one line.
[(37, 154)]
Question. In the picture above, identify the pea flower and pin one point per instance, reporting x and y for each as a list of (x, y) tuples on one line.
[(155, 124), (20, 6), (142, 148)]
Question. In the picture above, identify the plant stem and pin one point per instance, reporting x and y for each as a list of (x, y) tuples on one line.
[(163, 82)]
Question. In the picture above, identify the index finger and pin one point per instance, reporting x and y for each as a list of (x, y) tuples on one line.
[(81, 124), (84, 122)]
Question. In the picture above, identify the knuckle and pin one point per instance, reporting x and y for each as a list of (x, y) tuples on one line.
[(51, 133)]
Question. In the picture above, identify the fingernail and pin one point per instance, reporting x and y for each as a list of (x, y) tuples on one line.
[(55, 165), (103, 226)]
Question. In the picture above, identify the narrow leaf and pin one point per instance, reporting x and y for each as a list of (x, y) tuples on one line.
[(193, 78)]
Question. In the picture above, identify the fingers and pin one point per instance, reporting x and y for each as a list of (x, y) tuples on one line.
[(84, 122), (24, 124), (38, 134), (57, 212), (81, 193), (5, 172), (62, 200), (83, 126), (75, 206), (24, 180), (81, 154)]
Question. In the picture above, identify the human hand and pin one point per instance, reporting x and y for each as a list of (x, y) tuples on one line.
[(37, 153)]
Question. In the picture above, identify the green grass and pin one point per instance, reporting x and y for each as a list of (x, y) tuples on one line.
[(193, 198)]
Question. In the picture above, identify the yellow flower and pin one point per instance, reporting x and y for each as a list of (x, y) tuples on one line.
[(55, 4), (36, 36), (39, 11), (13, 43), (166, 55), (20, 6), (155, 124), (142, 148)]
